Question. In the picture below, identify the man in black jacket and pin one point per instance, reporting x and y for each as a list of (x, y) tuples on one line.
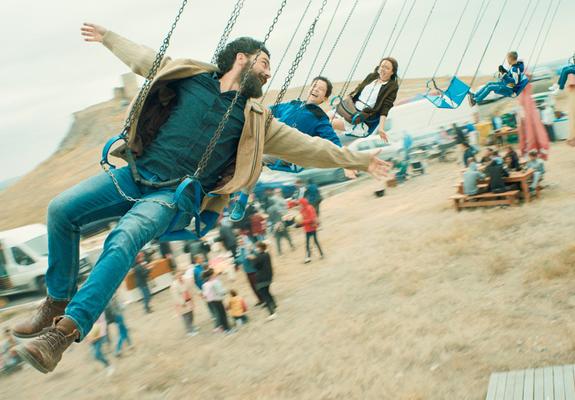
[(496, 174)]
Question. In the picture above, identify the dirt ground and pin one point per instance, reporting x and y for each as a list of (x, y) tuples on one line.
[(413, 301)]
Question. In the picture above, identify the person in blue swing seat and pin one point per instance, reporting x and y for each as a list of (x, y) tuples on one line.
[(308, 118), (167, 138), (508, 83), (565, 72)]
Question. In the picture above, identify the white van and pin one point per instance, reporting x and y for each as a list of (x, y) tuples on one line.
[(24, 260), (423, 121)]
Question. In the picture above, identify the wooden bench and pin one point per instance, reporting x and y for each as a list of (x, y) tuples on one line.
[(485, 199), (480, 186)]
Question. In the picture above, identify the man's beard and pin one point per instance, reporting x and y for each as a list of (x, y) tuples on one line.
[(252, 87)]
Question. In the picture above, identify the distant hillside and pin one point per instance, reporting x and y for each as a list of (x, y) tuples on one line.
[(77, 158)]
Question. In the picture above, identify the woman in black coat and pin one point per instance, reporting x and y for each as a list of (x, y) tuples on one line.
[(262, 262)]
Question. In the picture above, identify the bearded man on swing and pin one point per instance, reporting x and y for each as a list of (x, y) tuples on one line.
[(168, 137)]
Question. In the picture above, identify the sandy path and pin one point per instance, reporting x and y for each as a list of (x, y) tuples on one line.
[(414, 301)]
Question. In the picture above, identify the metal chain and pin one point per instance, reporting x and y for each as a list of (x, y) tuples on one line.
[(393, 30), (529, 60), (547, 34), (402, 27), (418, 41), (518, 28), (228, 29), (145, 89), (319, 50), (286, 49), (338, 37), (213, 141), (132, 199), (450, 39), (138, 103), (527, 26), (362, 49), (488, 43), (297, 60), (482, 11)]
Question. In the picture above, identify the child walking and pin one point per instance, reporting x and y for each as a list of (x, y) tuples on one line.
[(214, 293), (181, 290), (238, 308)]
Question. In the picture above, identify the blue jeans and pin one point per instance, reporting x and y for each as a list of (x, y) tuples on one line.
[(97, 351), (91, 200), (122, 333), (570, 69), (146, 297), (497, 87), (537, 177)]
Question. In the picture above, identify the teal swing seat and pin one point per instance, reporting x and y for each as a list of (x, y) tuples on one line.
[(451, 98)]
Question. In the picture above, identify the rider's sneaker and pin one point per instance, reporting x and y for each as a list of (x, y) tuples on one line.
[(239, 208)]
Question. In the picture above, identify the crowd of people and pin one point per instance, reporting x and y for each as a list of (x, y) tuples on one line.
[(493, 167)]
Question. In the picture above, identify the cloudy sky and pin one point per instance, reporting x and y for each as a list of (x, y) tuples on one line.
[(48, 72)]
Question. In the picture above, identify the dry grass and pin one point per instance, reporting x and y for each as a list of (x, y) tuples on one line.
[(560, 265), (498, 265), (414, 301)]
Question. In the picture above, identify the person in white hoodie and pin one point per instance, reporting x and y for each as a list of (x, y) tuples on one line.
[(182, 293), (214, 293)]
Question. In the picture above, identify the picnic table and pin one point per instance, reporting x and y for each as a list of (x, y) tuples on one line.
[(502, 133), (521, 177)]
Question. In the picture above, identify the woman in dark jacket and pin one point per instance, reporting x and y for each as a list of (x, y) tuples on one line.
[(373, 97), (263, 264)]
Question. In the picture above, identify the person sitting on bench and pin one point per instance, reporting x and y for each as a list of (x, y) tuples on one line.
[(496, 174), (536, 164), (471, 178)]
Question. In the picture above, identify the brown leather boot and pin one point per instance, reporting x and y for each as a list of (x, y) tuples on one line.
[(45, 352), (45, 314)]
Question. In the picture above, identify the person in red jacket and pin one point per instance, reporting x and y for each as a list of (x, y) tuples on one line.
[(258, 225), (310, 224)]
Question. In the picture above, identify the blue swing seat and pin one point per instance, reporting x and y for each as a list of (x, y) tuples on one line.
[(170, 234), (452, 97), (524, 81), (284, 166), (357, 119)]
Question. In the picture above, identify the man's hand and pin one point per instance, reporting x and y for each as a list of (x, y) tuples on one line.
[(378, 168), (382, 135), (93, 33), (350, 173)]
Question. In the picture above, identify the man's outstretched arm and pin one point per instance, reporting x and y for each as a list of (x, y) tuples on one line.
[(137, 57), (293, 146)]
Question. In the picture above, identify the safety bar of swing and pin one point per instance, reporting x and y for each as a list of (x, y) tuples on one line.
[(107, 147)]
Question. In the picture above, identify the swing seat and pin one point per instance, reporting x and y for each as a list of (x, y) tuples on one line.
[(186, 234), (284, 166), (170, 234), (521, 85), (452, 97), (371, 125)]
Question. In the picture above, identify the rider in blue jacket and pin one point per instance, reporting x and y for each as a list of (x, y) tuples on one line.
[(308, 118), (511, 82)]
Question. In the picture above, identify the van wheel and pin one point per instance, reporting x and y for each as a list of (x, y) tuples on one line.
[(41, 285)]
